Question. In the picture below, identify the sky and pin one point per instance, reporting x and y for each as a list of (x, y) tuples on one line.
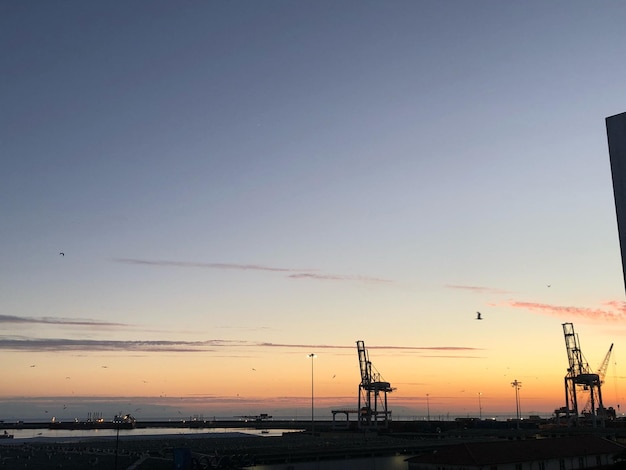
[(198, 195)]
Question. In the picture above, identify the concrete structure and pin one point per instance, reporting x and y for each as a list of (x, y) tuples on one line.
[(616, 134), (565, 453)]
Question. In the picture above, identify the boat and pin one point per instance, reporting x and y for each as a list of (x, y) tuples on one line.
[(6, 435)]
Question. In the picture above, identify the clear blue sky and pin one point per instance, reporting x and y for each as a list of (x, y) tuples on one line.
[(270, 178)]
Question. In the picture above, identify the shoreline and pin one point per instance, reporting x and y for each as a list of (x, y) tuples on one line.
[(126, 437)]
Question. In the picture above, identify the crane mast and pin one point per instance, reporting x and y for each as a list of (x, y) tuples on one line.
[(373, 391)]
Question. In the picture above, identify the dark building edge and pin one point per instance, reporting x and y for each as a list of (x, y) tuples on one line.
[(616, 136)]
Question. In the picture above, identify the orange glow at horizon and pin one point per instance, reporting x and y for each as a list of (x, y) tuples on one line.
[(452, 385)]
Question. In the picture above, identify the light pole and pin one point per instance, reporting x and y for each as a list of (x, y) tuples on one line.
[(480, 407), (117, 443), (312, 356), (427, 407), (518, 409)]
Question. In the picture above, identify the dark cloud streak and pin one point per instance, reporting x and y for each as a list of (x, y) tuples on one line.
[(63, 344), (55, 321), (189, 264), (477, 289), (335, 277), (296, 273)]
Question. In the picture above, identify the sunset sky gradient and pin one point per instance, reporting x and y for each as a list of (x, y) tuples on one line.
[(235, 185)]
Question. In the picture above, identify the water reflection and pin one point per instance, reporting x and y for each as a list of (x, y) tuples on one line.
[(61, 434)]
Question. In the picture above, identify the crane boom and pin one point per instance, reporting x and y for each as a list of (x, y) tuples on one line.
[(364, 364), (605, 364)]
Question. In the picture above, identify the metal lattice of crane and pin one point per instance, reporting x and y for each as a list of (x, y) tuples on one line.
[(580, 382), (373, 390)]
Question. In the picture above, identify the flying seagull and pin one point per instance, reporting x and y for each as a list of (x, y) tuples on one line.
[(479, 316), (61, 253)]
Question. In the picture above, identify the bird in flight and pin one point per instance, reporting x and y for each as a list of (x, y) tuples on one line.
[(33, 365), (61, 253), (479, 316)]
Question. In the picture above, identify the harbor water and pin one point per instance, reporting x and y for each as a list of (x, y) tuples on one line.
[(59, 435)]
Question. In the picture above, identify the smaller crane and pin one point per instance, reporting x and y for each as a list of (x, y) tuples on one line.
[(605, 364)]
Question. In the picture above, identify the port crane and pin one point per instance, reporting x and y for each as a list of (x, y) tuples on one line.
[(373, 390), (580, 380), (601, 373)]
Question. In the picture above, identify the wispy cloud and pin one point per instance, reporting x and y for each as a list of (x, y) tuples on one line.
[(336, 277), (389, 348), (55, 321), (425, 348), (441, 356), (614, 311), (214, 345), (296, 273), (477, 289), (64, 344), (190, 264)]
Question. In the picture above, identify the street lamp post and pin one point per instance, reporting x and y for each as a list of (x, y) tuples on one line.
[(428, 407), (117, 443), (312, 356), (480, 406), (516, 384)]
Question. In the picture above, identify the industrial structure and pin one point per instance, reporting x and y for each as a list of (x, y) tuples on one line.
[(616, 136), (582, 385), (373, 390)]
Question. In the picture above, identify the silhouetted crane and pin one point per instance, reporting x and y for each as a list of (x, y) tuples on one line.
[(587, 409), (605, 364), (580, 379), (373, 391)]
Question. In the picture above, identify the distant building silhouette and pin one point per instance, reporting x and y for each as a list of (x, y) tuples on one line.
[(616, 134)]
